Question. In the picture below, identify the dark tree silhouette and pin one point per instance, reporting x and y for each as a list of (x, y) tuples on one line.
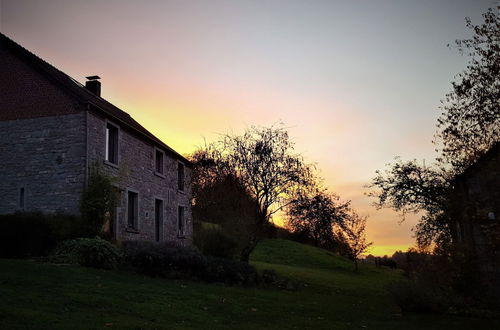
[(353, 232), (413, 187), (315, 215), (470, 120), (468, 126), (263, 161)]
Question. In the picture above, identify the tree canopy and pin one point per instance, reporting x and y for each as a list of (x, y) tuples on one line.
[(469, 123), (468, 126), (263, 163)]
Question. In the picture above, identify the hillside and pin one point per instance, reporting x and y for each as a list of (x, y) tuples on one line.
[(45, 296)]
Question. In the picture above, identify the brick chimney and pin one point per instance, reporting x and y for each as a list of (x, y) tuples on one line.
[(93, 84)]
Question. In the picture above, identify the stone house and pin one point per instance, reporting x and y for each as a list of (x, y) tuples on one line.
[(475, 210), (53, 130)]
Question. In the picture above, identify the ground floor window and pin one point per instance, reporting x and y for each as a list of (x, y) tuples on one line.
[(158, 219), (180, 221), (22, 198), (132, 210)]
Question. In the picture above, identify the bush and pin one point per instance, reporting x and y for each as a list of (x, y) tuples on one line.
[(33, 234), (88, 252), (269, 276), (230, 272), (214, 242), (171, 261), (165, 260), (415, 296), (99, 200), (445, 283)]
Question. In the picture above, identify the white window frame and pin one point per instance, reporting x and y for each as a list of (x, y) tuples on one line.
[(183, 177), (106, 143), (156, 172)]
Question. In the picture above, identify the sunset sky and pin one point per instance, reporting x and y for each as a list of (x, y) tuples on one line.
[(356, 82)]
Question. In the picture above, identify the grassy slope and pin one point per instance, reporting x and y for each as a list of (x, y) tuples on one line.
[(44, 296)]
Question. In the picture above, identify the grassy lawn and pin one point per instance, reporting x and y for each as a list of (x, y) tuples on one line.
[(44, 296)]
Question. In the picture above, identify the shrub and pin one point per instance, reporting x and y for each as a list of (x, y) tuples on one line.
[(88, 252), (33, 234), (415, 296), (230, 272), (168, 260), (269, 276), (215, 242), (98, 202)]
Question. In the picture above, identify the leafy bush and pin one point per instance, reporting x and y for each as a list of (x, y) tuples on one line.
[(88, 252), (99, 199), (230, 272), (415, 296), (32, 234), (215, 242), (168, 260), (269, 276), (447, 282)]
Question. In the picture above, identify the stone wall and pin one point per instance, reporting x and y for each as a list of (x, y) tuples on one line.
[(136, 172), (476, 210), (46, 157)]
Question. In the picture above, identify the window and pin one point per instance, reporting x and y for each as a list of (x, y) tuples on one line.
[(112, 144), (158, 219), (22, 198), (180, 176), (158, 161), (132, 210), (180, 222)]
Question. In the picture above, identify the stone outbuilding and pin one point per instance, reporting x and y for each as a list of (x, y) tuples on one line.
[(53, 130), (475, 210)]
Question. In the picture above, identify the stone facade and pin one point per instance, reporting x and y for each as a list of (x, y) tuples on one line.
[(135, 172), (46, 158), (475, 209), (53, 130)]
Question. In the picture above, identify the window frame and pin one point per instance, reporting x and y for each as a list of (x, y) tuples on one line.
[(181, 184), (162, 219), (135, 227), (156, 172), (181, 221), (21, 198), (106, 144)]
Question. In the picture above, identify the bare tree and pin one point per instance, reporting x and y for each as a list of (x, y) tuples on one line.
[(264, 162), (353, 231)]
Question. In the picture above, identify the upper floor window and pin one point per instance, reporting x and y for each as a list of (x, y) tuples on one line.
[(180, 176), (112, 143), (159, 167)]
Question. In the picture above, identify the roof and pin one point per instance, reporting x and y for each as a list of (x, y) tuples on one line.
[(82, 94), (488, 155)]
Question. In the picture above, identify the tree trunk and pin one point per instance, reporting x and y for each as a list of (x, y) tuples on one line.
[(356, 265), (247, 251), (256, 237)]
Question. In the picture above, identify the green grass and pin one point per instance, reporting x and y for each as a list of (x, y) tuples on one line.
[(44, 296)]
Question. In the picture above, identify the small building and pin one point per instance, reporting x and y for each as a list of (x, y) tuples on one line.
[(53, 130), (475, 210)]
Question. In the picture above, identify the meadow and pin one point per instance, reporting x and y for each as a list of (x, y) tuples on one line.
[(326, 294)]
